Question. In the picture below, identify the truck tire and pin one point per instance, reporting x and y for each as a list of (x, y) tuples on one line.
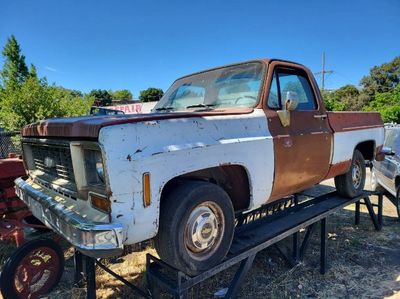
[(196, 227), (351, 184)]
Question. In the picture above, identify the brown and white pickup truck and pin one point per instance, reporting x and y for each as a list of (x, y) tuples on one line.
[(219, 143)]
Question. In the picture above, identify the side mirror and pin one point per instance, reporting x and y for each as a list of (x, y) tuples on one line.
[(291, 102), (388, 151)]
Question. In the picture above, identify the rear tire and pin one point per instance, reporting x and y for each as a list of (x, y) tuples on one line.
[(196, 227), (351, 184)]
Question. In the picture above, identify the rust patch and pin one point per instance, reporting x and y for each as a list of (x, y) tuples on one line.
[(89, 126), (338, 169), (350, 120)]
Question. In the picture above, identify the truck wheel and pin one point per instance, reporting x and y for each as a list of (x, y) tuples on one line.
[(196, 227), (351, 184)]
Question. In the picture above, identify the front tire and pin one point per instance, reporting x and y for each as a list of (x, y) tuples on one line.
[(351, 184), (196, 227)]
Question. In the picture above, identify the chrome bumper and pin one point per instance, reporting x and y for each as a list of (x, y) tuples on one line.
[(93, 239)]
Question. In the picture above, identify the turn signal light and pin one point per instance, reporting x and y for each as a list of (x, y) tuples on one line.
[(146, 189), (100, 203)]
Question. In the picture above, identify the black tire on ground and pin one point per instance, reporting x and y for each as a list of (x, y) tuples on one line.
[(33, 270), (196, 227), (351, 184)]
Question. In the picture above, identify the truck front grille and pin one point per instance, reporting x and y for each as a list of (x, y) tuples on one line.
[(54, 161)]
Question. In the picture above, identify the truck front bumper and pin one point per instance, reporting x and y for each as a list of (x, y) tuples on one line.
[(97, 240)]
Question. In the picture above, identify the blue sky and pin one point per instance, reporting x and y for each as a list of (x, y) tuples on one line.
[(136, 44)]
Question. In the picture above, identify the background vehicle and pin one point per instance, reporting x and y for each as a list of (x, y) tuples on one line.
[(385, 175), (221, 142)]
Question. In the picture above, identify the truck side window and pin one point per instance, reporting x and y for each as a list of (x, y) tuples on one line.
[(298, 83), (273, 97)]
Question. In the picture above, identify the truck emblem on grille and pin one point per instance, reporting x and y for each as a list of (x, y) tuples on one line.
[(49, 162)]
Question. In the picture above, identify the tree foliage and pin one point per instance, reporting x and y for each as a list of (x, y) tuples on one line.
[(14, 70), (121, 95), (388, 104), (151, 94), (26, 98), (383, 78), (101, 97)]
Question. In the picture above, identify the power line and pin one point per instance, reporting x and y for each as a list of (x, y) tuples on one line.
[(323, 72)]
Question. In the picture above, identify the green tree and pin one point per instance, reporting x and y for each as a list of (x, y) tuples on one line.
[(122, 95), (101, 97), (388, 104), (382, 78), (14, 70), (151, 94)]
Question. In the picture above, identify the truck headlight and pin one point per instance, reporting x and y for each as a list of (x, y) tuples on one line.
[(100, 170), (94, 167)]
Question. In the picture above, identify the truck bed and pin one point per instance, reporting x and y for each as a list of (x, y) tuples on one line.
[(349, 120)]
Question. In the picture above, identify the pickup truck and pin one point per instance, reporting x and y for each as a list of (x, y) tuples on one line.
[(219, 143)]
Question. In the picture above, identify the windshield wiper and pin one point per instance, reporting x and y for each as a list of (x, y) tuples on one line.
[(164, 108), (200, 106)]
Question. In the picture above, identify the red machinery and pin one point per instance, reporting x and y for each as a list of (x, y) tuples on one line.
[(14, 215)]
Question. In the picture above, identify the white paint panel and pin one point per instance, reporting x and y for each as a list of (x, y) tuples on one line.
[(169, 148), (345, 142)]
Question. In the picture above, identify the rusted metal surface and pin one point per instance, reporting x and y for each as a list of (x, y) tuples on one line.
[(303, 149), (338, 169), (89, 126), (350, 120)]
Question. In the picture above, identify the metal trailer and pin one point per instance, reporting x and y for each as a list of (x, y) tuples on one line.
[(255, 231)]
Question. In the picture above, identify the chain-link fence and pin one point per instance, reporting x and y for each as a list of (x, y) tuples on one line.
[(10, 142)]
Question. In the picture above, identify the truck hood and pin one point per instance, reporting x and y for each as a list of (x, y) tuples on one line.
[(89, 126)]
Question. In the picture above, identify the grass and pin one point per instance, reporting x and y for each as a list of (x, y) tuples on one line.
[(363, 263)]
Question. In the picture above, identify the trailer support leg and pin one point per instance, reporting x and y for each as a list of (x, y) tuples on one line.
[(380, 209), (357, 213), (323, 246), (90, 278), (372, 213), (240, 274), (295, 248), (306, 240), (78, 268)]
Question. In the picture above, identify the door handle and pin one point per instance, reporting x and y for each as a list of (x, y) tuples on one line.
[(321, 116)]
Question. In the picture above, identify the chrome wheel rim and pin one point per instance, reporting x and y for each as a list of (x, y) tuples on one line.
[(204, 230), (357, 174)]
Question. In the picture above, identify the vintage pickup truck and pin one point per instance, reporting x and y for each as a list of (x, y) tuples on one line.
[(219, 143)]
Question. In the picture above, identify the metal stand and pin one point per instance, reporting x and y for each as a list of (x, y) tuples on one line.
[(253, 235)]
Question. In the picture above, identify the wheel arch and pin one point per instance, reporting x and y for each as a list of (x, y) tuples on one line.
[(367, 149), (234, 179)]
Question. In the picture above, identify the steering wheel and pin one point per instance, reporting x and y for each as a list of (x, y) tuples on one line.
[(243, 98)]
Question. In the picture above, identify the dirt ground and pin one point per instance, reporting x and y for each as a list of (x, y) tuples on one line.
[(363, 263)]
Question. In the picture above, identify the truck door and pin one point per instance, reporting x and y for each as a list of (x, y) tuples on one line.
[(303, 147)]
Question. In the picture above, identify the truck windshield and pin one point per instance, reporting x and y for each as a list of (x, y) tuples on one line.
[(227, 87)]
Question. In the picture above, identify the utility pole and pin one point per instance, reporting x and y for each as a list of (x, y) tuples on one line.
[(323, 72)]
